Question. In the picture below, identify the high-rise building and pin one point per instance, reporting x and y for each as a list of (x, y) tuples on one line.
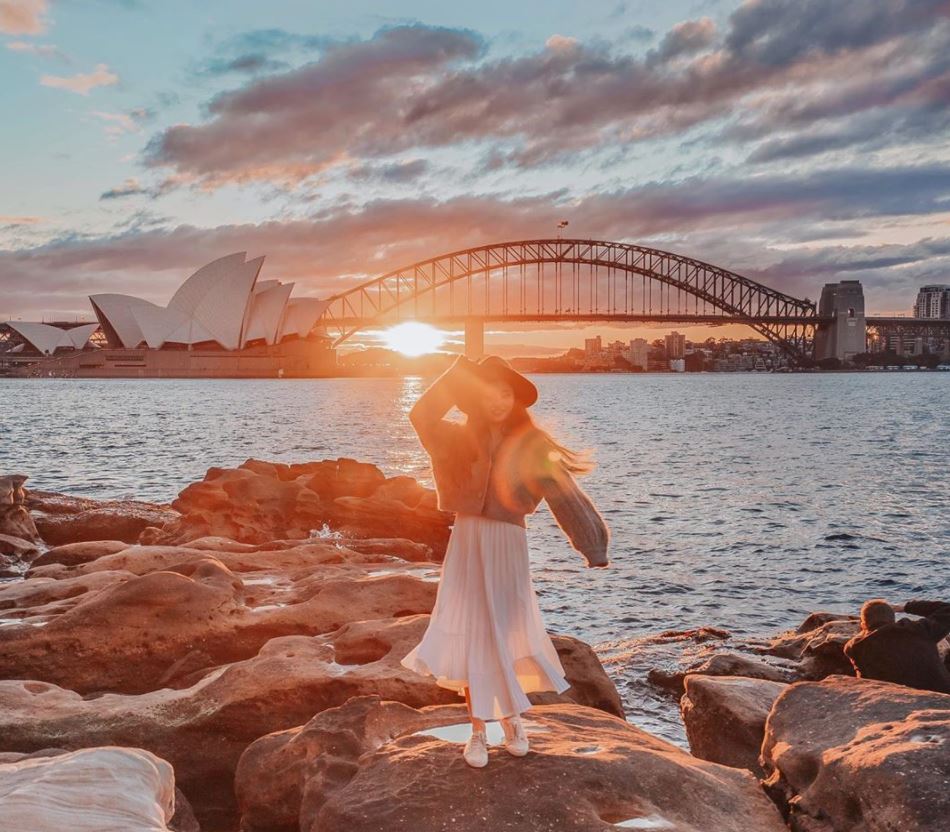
[(592, 346), (675, 345), (933, 302), (637, 353)]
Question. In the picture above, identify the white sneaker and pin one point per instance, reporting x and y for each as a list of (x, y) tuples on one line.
[(476, 749), (516, 740)]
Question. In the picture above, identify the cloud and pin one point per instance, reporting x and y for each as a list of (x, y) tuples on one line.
[(326, 101), (247, 64), (117, 124), (131, 187), (413, 88), (782, 32), (270, 41), (717, 219), (23, 17), (260, 51), (11, 221), (44, 50), (397, 172), (685, 38), (82, 83)]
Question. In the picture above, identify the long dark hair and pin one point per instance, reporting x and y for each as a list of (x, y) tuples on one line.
[(519, 419)]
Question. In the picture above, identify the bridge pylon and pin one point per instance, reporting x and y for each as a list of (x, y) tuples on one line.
[(845, 334), (474, 338)]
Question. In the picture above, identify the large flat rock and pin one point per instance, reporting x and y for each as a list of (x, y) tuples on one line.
[(855, 755), (126, 633), (725, 717), (93, 790), (373, 765)]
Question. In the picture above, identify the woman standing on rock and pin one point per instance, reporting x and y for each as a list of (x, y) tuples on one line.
[(486, 638)]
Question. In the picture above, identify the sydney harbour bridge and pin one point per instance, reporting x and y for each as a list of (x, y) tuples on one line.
[(571, 280)]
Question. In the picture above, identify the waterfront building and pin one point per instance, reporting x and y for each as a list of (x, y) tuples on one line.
[(933, 302), (637, 353), (675, 345), (45, 339), (222, 322), (221, 306), (592, 346)]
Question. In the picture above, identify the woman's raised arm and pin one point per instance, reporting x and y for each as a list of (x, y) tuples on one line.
[(437, 399), (576, 514)]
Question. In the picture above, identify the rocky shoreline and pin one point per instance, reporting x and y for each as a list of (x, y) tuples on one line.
[(232, 662)]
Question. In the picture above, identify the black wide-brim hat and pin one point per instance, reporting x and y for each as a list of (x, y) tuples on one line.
[(494, 367)]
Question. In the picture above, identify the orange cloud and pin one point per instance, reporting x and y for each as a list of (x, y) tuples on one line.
[(10, 220), (23, 17), (82, 83)]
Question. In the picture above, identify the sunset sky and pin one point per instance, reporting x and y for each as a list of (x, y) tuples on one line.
[(796, 142)]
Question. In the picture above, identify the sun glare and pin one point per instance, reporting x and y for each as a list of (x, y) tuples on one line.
[(413, 338)]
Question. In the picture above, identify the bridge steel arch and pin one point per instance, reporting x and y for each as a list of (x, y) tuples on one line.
[(429, 290)]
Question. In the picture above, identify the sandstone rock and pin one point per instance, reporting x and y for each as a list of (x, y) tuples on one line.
[(203, 729), (854, 755), (342, 477), (815, 620), (405, 489), (15, 519), (118, 521), (18, 550), (386, 548), (53, 502), (140, 560), (263, 501), (381, 517), (11, 489), (373, 765), (392, 546), (182, 821), (725, 718), (39, 600), (590, 684), (92, 790), (71, 554), (723, 664), (276, 769), (10, 566), (818, 645), (126, 636), (17, 547)]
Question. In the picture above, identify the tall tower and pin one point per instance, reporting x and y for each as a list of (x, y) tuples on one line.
[(933, 302), (846, 335)]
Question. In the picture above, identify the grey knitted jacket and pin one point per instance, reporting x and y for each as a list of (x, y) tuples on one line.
[(508, 484)]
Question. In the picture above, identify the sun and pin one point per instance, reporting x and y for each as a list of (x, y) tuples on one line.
[(413, 338)]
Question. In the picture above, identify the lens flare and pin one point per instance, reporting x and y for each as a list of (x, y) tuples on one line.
[(413, 338)]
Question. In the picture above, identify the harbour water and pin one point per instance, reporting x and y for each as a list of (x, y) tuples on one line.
[(738, 501)]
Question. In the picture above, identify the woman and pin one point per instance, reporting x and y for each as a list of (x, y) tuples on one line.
[(486, 638)]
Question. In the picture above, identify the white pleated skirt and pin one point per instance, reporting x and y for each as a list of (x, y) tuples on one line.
[(486, 632)]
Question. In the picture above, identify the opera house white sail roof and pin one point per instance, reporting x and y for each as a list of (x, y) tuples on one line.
[(222, 303), (47, 339)]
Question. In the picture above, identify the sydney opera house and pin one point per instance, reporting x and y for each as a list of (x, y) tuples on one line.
[(221, 322)]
